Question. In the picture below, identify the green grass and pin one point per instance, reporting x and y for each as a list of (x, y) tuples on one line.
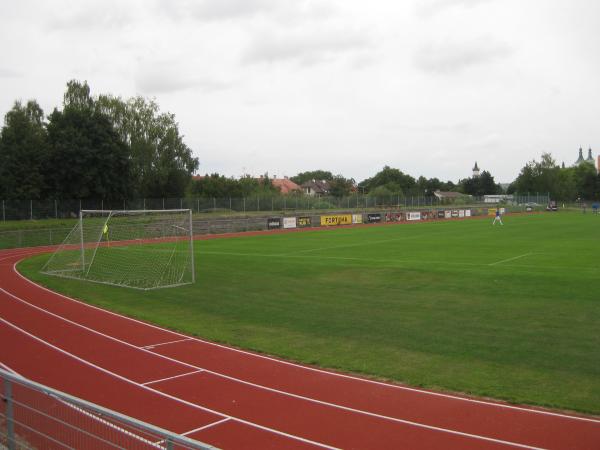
[(507, 312)]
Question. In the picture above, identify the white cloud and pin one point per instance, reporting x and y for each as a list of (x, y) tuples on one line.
[(428, 8), (451, 57), (304, 48)]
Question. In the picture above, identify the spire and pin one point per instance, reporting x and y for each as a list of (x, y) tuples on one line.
[(589, 158), (580, 159), (475, 170)]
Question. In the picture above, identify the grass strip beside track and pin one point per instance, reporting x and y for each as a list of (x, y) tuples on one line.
[(510, 312)]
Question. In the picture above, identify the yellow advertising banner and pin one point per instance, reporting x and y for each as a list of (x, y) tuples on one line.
[(338, 219), (492, 211)]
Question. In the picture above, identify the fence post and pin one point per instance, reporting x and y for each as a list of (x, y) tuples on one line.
[(230, 204), (198, 204), (3, 212), (214, 204), (272, 207), (10, 424), (163, 203), (79, 206), (258, 203), (31, 209), (245, 208), (55, 209)]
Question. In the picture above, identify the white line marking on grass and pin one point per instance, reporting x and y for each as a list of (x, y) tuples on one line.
[(210, 425), (254, 385), (151, 346), (511, 259), (173, 377), (299, 366)]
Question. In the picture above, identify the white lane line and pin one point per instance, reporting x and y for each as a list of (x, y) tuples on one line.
[(511, 259), (166, 343), (164, 394), (172, 378), (314, 369), (277, 391), (210, 425)]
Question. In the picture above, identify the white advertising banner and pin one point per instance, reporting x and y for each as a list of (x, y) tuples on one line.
[(357, 218), (467, 213), (502, 211), (413, 216), (448, 214), (461, 213), (289, 222)]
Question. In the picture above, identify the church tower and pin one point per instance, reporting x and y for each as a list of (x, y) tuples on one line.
[(580, 159), (475, 170)]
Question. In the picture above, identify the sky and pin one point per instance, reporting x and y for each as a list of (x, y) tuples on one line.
[(285, 86)]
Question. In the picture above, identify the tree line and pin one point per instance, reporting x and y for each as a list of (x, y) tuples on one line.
[(101, 147), (106, 147), (580, 182)]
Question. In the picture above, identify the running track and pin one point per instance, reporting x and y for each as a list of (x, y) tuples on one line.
[(235, 399)]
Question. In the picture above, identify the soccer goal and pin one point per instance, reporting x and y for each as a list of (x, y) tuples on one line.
[(140, 249)]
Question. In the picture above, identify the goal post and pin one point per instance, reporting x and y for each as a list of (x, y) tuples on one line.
[(142, 249)]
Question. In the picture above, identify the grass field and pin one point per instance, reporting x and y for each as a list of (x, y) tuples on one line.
[(508, 312)]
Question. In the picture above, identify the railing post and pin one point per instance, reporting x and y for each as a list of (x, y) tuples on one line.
[(3, 212), (10, 424), (55, 209), (31, 209)]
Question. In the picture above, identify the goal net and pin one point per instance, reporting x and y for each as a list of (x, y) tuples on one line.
[(138, 249)]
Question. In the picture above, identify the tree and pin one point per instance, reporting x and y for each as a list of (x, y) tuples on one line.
[(303, 177), (162, 163), (217, 186), (23, 152), (478, 186), (340, 186), (394, 180), (87, 159)]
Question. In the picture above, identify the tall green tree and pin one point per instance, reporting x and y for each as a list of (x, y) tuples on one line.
[(162, 163), (23, 152), (394, 180), (340, 186), (87, 159), (303, 177)]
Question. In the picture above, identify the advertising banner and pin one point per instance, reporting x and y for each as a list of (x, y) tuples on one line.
[(273, 222), (448, 214), (357, 218), (394, 217), (455, 213), (491, 211), (502, 211), (461, 213), (289, 222), (303, 222), (373, 218), (441, 214), (338, 219), (413, 216), (467, 213)]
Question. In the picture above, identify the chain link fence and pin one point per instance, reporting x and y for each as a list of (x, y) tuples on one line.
[(62, 209)]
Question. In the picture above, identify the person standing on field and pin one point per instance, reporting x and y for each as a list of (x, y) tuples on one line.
[(498, 217)]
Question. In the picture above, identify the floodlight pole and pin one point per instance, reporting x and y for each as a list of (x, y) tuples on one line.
[(192, 248)]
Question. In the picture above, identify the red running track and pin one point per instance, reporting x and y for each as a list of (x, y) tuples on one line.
[(235, 399)]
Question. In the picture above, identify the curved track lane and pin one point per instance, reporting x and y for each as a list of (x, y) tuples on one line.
[(235, 399)]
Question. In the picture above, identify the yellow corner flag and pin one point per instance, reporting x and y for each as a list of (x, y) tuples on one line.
[(105, 230)]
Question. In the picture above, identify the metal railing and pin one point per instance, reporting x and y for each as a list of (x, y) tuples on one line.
[(34, 416)]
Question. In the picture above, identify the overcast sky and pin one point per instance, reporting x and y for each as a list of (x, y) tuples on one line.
[(349, 86)]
